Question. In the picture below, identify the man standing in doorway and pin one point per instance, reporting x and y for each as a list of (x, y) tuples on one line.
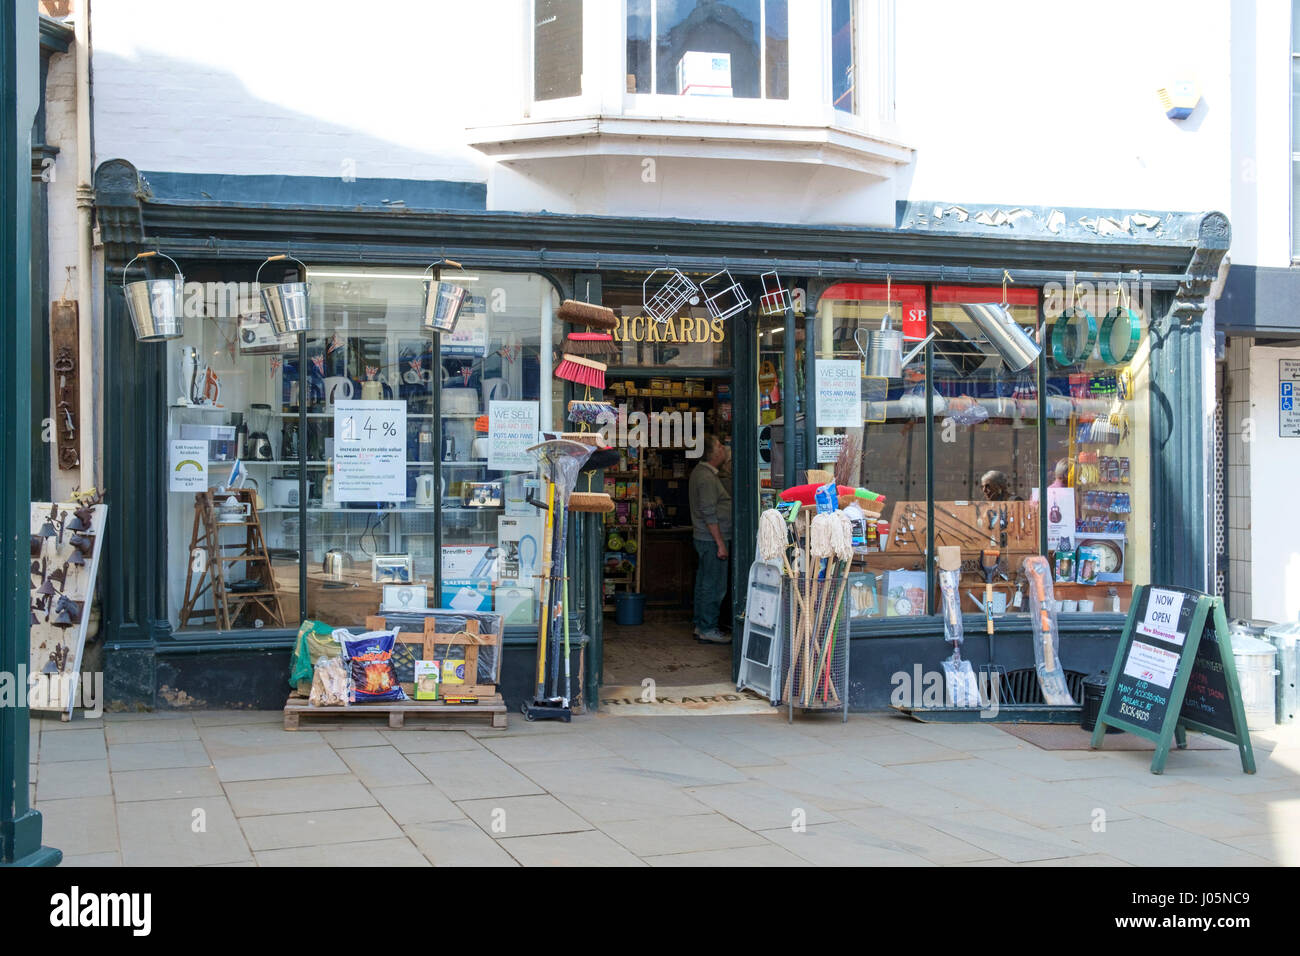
[(711, 519)]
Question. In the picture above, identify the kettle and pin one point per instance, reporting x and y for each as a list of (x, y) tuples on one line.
[(424, 491), (336, 562)]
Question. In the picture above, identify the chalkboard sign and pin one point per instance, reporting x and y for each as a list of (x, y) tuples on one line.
[(1207, 701), (1173, 670)]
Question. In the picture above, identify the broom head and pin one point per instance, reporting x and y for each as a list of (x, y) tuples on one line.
[(575, 368), (584, 313), (591, 343), (593, 502)]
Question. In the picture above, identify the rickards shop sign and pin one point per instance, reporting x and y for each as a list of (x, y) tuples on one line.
[(686, 329)]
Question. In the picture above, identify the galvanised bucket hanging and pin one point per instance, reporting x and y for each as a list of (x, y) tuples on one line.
[(1012, 342), (155, 304), (442, 301), (287, 304)]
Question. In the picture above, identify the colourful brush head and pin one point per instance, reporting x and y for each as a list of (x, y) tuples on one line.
[(590, 343), (583, 371)]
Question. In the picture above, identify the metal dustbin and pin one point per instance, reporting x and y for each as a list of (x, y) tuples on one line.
[(1094, 691), (1286, 638), (1256, 663)]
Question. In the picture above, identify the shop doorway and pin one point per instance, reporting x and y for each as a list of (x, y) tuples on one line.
[(673, 385)]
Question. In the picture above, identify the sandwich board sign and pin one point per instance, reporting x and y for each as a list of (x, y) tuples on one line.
[(1173, 671)]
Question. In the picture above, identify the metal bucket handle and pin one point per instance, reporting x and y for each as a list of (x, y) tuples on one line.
[(442, 262), (146, 255), (257, 279)]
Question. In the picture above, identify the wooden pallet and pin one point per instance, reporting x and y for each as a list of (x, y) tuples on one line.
[(423, 714)]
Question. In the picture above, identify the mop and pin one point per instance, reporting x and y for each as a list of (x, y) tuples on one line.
[(842, 549), (821, 548), (773, 541), (559, 461)]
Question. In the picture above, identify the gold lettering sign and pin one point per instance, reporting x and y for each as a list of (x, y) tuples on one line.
[(684, 329)]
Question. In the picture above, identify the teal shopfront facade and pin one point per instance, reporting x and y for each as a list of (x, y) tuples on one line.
[(221, 228)]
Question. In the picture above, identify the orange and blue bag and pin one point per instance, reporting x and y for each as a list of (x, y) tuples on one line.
[(370, 661)]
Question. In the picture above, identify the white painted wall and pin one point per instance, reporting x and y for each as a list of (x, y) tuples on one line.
[(1275, 463)]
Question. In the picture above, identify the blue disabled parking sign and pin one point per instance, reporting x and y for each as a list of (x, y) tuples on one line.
[(1288, 416)]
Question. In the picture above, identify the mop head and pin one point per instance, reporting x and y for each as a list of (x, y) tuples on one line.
[(575, 368), (591, 343), (584, 313), (773, 536)]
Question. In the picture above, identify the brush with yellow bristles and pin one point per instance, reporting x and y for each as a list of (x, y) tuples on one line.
[(584, 313)]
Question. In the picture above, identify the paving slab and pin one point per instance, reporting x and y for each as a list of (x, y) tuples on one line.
[(118, 731), (174, 782), (523, 816), (367, 853), (416, 803), (430, 741), (759, 806), (763, 855), (1005, 836), (162, 833), (79, 826), (158, 755), (318, 827), (900, 833), (380, 766), (590, 848), (472, 775), (688, 834), (74, 745), (457, 843), (81, 778), (298, 795), (1141, 841), (842, 844)]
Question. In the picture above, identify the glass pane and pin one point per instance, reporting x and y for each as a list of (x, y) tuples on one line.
[(889, 453), (638, 46), (771, 409), (557, 49), (1295, 209), (1097, 431), (233, 539), (777, 39), (1295, 104), (708, 47), (844, 45), (986, 469)]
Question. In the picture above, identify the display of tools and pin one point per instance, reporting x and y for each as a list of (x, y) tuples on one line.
[(1051, 675)]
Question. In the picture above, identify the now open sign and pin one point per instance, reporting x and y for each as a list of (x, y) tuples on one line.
[(1163, 616)]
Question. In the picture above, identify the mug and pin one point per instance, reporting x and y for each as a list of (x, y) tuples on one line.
[(1086, 607), (337, 387), (374, 390)]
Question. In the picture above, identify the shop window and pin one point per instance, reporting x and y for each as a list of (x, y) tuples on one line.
[(355, 524), (889, 449), (1097, 436), (735, 48), (989, 488), (557, 49)]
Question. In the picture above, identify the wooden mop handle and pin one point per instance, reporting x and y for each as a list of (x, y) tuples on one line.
[(988, 607)]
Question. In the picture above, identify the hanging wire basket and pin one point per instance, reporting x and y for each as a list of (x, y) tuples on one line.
[(661, 299), (729, 300), (775, 299)]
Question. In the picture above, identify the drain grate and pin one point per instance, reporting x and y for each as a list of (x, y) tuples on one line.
[(1025, 689)]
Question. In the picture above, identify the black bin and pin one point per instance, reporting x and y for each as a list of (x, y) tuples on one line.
[(1094, 691)]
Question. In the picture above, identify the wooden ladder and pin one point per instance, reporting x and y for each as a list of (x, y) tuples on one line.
[(210, 577)]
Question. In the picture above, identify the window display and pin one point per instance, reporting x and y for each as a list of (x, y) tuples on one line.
[(345, 461)]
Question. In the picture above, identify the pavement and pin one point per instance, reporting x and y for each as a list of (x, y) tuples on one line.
[(212, 788)]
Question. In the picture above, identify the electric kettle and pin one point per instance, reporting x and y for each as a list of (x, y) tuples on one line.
[(424, 491), (336, 562)]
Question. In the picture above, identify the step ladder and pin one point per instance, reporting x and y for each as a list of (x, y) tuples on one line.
[(212, 563)]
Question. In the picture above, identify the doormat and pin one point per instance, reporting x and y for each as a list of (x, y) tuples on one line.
[(633, 700), (1067, 737)]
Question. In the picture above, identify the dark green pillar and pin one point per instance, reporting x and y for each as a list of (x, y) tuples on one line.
[(20, 825)]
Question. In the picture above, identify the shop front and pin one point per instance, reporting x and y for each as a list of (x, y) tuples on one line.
[(1091, 453)]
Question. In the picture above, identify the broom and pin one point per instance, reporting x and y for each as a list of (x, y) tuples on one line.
[(583, 371), (584, 313), (590, 343), (591, 502)]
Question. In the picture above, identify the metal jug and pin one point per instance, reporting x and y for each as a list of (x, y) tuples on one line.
[(884, 350)]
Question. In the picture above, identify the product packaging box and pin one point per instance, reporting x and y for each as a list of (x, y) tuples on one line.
[(516, 490), (427, 674), (467, 594), (520, 542), (453, 671), (516, 605)]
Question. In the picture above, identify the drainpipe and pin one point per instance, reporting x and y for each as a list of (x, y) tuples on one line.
[(85, 285)]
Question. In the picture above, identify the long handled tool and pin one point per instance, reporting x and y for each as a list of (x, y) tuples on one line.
[(992, 673), (963, 689), (560, 462), (842, 543), (1051, 676)]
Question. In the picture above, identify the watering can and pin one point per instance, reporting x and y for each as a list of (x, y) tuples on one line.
[(884, 350)]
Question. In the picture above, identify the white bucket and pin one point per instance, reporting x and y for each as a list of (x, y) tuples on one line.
[(1256, 662)]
